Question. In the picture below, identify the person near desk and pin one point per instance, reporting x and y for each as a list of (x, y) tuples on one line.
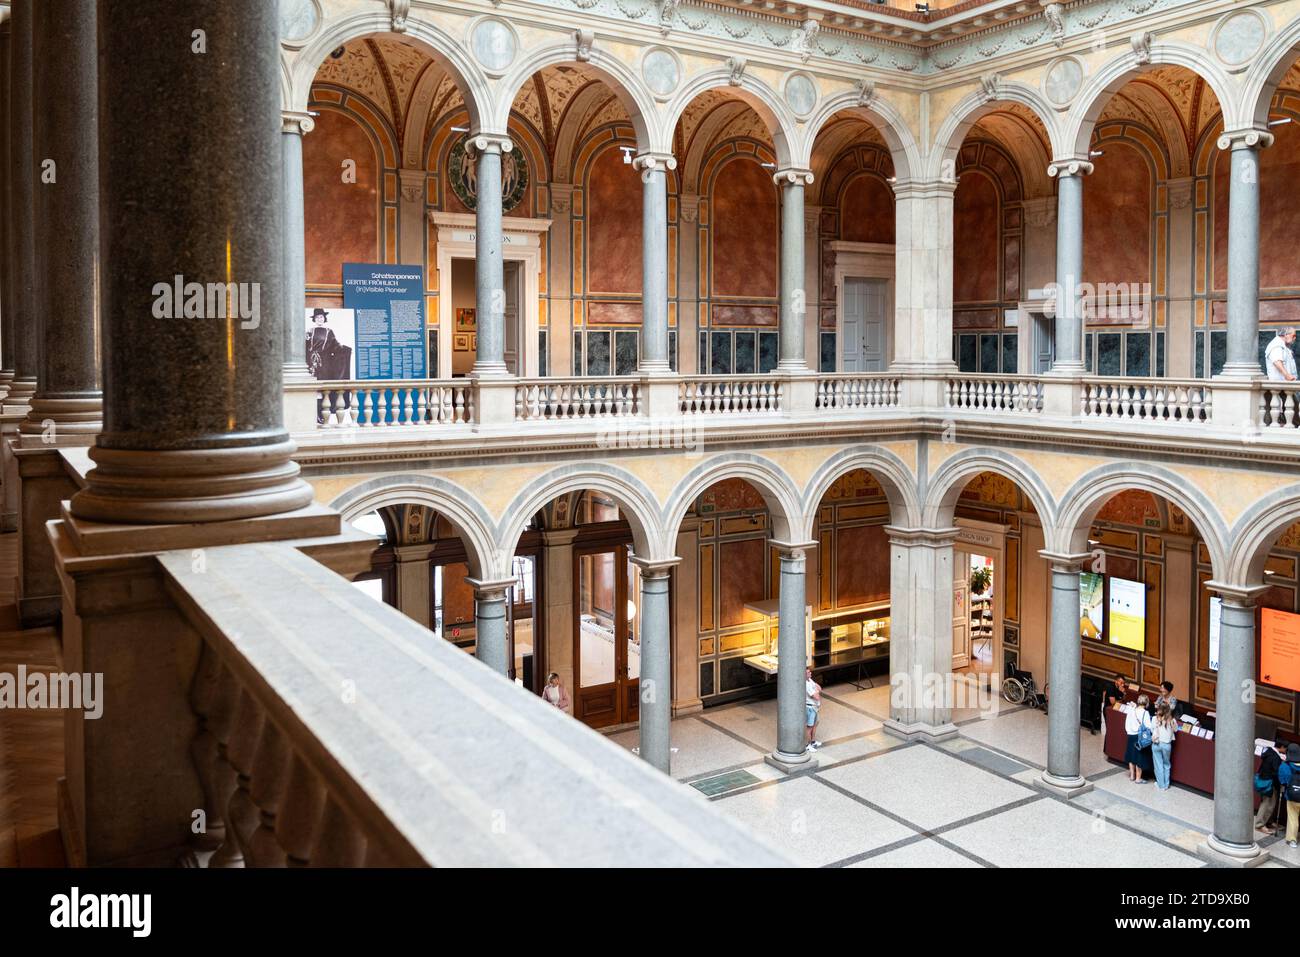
[(1163, 731), (1166, 696), (1288, 775), (1270, 761), (1111, 695), (812, 708), (1138, 758), (554, 692)]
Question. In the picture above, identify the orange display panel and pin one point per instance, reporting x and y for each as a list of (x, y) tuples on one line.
[(1279, 649)]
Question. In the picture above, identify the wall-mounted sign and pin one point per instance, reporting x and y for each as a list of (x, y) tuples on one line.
[(1279, 649), (1128, 614)]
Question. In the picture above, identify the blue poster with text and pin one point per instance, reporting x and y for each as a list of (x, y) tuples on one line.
[(388, 304)]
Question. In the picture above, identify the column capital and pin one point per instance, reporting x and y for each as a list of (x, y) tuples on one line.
[(412, 184), (489, 589), (1064, 561), (688, 205), (1248, 138), (559, 537), (297, 121), (1243, 595), (1180, 191), (654, 160), (561, 197), (793, 176), (933, 537), (655, 567), (1070, 166), (483, 142), (791, 549)]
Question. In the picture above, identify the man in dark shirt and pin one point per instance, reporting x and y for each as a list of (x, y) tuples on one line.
[(1110, 695)]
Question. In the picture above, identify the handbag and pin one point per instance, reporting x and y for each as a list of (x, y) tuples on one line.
[(1144, 738), (1263, 785)]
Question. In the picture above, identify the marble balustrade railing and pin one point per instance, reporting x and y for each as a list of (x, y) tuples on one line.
[(335, 731), (1241, 406)]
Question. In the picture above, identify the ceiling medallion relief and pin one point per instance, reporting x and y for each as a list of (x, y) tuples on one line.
[(1238, 38), (494, 44), (662, 71), (1062, 81)]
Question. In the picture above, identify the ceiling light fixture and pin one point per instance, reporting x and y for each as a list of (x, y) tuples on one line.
[(460, 129), (1096, 152), (1285, 119)]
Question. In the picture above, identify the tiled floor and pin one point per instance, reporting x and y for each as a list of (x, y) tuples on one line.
[(876, 801)]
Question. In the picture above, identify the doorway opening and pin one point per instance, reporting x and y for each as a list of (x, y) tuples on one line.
[(865, 323), (606, 635), (464, 337)]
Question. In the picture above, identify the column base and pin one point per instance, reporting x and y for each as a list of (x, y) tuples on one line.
[(1243, 371), (20, 395), (1066, 787), (1223, 854), (52, 418), (489, 370), (184, 486), (920, 730), (1074, 367), (790, 763)]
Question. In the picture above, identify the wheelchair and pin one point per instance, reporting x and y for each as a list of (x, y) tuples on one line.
[(1020, 688)]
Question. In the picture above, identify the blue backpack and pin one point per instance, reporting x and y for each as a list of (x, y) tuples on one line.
[(1288, 775), (1144, 737)]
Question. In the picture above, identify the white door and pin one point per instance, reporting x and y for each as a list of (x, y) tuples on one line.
[(1044, 347), (866, 345)]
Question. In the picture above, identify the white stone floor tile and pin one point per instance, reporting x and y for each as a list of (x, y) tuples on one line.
[(1023, 734), (813, 824), (699, 748), (1191, 807), (925, 853), (1050, 833), (925, 786), (756, 722)]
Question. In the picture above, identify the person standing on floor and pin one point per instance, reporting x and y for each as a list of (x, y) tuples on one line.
[(1268, 788), (812, 708), (1289, 777), (1163, 732), (1137, 725)]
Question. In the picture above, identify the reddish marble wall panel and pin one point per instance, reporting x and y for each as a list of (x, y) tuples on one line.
[(867, 212), (613, 204), (1279, 227), (614, 313), (721, 315), (457, 596), (975, 217), (861, 565), (341, 218), (745, 233), (1117, 218), (743, 579)]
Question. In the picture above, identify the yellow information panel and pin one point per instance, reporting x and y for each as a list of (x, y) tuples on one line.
[(1279, 649), (1128, 614)]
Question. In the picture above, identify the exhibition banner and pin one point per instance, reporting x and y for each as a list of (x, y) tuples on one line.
[(1128, 614), (1279, 649), (387, 300)]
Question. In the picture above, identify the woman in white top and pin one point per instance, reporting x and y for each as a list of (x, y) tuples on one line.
[(1162, 743), (1139, 759), (554, 692)]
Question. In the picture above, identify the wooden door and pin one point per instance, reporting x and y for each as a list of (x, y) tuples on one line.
[(606, 637)]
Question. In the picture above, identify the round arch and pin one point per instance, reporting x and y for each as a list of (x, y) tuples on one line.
[(1091, 491), (1257, 532), (946, 485), (1270, 66), (454, 503), (968, 111), (777, 489), (632, 496), (775, 115), (450, 54), (885, 467), (617, 75), (881, 114), (1098, 89)]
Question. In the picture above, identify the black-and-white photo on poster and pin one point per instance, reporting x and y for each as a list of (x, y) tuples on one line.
[(330, 338)]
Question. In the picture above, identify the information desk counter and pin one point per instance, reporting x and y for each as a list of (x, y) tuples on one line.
[(1192, 760)]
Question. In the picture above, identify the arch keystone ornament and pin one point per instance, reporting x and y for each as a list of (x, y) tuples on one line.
[(1141, 44), (398, 11), (866, 92), (585, 40), (990, 84), (736, 67), (1054, 14)]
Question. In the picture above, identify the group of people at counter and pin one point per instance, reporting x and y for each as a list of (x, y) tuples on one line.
[(1151, 735)]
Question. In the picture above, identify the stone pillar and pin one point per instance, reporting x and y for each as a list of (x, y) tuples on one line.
[(923, 284), (293, 127), (794, 298), (1069, 263), (414, 583), (1233, 838), (490, 645), (6, 259), (792, 654), (1243, 360), (559, 262), (688, 283), (1065, 668), (557, 584), (812, 218), (654, 169), (489, 276), (920, 651), (192, 289), (656, 681), (22, 230), (686, 618), (67, 403)]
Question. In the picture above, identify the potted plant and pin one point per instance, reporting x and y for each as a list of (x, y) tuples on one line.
[(980, 580)]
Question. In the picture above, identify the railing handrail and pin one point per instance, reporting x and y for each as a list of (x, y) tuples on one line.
[(431, 753)]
